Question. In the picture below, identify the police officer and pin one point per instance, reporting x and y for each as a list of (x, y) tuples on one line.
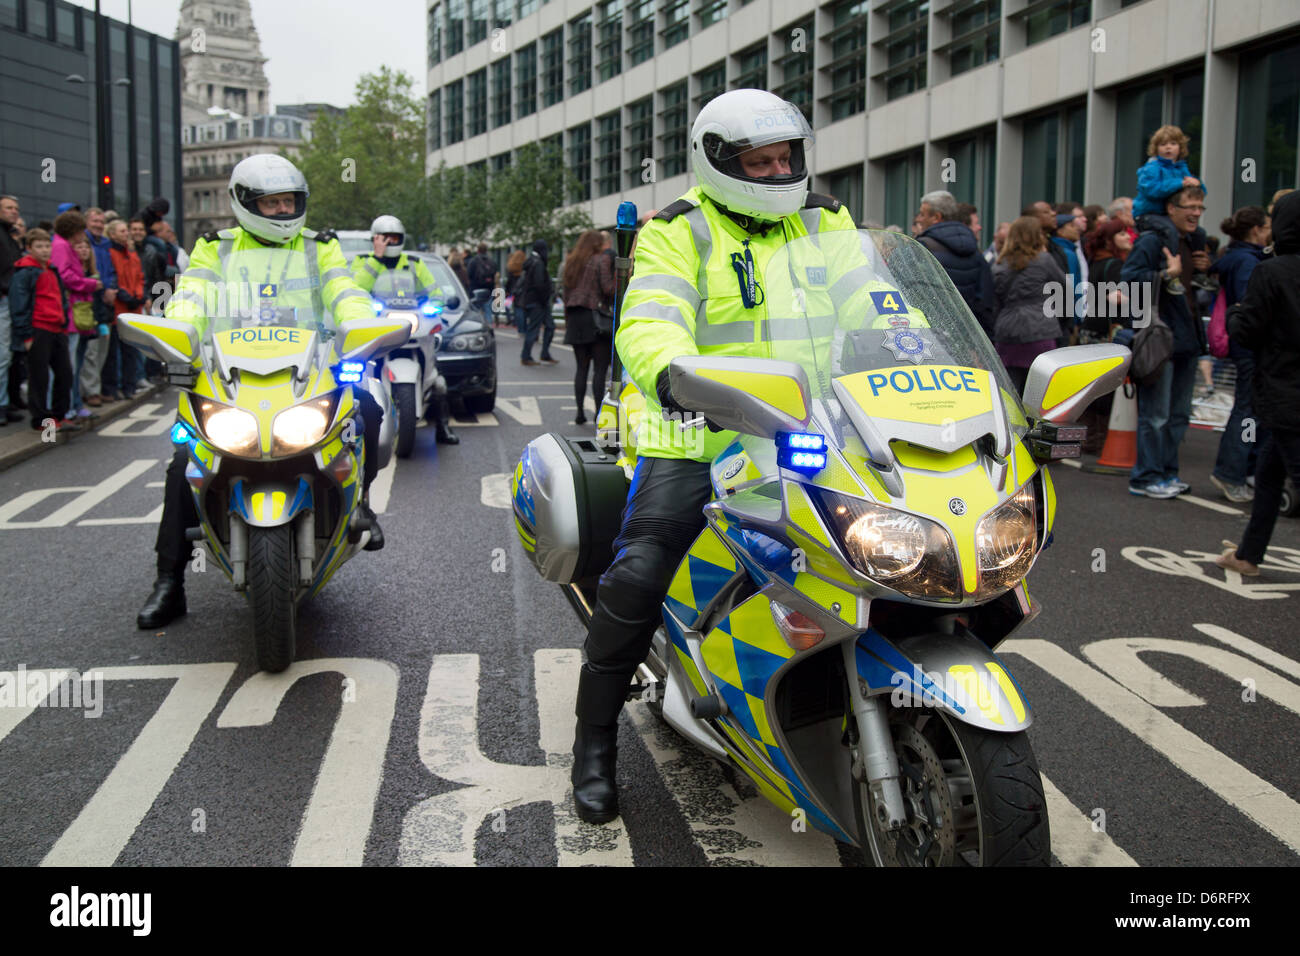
[(697, 289), (268, 196), (389, 271)]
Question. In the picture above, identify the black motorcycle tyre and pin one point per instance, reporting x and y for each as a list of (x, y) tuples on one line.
[(271, 585)]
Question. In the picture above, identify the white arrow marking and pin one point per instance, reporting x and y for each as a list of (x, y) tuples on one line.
[(1075, 842), (494, 490), (147, 416), (87, 497), (523, 409)]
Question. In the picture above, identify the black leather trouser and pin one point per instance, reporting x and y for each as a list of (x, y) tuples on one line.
[(179, 513), (663, 517)]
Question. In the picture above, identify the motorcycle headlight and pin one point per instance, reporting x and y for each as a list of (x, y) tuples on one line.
[(231, 429), (1004, 542), (469, 342), (910, 554), (301, 426)]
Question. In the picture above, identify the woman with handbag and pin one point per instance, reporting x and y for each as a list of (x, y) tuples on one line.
[(588, 278), (1250, 230), (83, 326)]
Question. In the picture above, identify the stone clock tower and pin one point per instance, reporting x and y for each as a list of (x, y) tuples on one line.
[(221, 60)]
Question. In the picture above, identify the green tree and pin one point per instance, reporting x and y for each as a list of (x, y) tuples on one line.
[(370, 160), (527, 200)]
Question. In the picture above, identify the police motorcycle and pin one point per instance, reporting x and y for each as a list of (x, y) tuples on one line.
[(410, 372), (832, 631), (276, 449)]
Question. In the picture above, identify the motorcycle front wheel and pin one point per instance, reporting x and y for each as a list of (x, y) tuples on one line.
[(973, 797), (271, 577), (404, 404)]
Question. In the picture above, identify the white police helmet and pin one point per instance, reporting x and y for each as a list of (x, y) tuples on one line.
[(741, 120), (390, 225), (266, 175)]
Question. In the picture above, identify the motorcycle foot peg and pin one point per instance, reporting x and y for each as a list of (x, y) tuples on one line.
[(708, 707), (357, 525), (194, 534)]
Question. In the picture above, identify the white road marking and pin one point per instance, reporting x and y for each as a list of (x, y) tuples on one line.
[(1073, 463), (494, 490), (382, 486), (564, 384), (87, 497), (588, 405), (14, 712), (1119, 658), (1244, 644), (155, 484), (152, 517), (98, 834), (480, 419), (1075, 842), (1188, 564), (523, 409), (727, 827), (1250, 794), (337, 821), (555, 674), (143, 420), (1212, 505)]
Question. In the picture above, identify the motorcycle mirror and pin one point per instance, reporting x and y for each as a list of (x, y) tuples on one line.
[(366, 338), (1062, 383), (755, 396), (168, 340), (452, 303)]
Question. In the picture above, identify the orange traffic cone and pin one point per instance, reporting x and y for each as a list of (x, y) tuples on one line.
[(1119, 454)]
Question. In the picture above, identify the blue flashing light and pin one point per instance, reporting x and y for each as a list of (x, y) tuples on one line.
[(801, 451), (349, 373), (802, 441), (626, 215), (180, 434), (431, 308), (379, 306)]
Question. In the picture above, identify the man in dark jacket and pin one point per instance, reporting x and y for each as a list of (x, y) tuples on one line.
[(535, 292), (1267, 322), (10, 252), (1159, 260), (482, 270), (954, 245)]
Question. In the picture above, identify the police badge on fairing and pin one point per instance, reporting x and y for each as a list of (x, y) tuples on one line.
[(908, 344)]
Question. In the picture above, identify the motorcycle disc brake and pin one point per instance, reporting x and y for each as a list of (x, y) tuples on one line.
[(929, 838)]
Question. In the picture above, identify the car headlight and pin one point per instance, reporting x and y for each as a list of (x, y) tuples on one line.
[(301, 426), (911, 554), (469, 342), (231, 429), (1004, 541)]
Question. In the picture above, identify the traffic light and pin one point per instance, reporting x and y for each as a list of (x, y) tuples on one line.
[(108, 180)]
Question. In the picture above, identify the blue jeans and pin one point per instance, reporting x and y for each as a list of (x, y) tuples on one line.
[(1164, 409), (536, 317), (6, 331), (1236, 458)]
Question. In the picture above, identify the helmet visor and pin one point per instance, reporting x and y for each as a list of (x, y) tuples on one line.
[(765, 128), (281, 205)]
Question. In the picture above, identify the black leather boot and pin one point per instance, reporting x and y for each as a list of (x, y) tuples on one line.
[(376, 542), (444, 434), (595, 744), (165, 604)]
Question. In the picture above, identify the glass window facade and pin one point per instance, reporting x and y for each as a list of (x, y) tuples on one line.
[(903, 188), (975, 168), (455, 111), (502, 13), (675, 123), (1055, 18), (710, 82), (752, 68), (905, 48), (1268, 123), (846, 186), (526, 80), (476, 103), (609, 49), (609, 134), (501, 92), (1138, 113), (848, 62), (640, 31), (1188, 109), (975, 31), (580, 53), (794, 67), (553, 67), (677, 21), (579, 158), (454, 37), (1054, 155), (433, 125), (434, 36), (710, 12), (478, 21), (640, 138), (527, 7)]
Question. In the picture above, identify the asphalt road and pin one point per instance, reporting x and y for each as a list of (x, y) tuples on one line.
[(429, 718)]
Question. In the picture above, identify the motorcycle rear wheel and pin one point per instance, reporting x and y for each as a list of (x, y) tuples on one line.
[(973, 797), (404, 404), (271, 577)]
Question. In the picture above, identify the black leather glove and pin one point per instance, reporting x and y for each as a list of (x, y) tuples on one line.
[(669, 404)]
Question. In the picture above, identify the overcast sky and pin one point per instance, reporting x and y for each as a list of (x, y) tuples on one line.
[(315, 49)]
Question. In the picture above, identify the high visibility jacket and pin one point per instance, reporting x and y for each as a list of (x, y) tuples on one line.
[(231, 275), (686, 298), (404, 277)]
